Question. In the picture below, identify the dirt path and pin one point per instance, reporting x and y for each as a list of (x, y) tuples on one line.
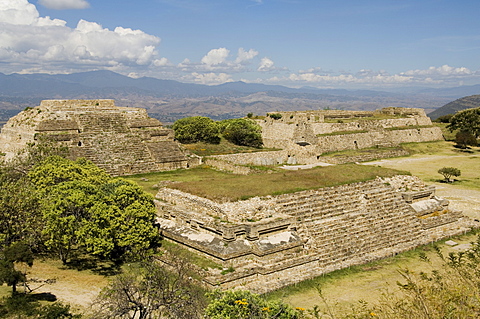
[(461, 198)]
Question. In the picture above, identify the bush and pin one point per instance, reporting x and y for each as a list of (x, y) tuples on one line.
[(464, 138), (449, 172), (242, 304), (196, 129), (275, 116), (242, 132), (444, 118)]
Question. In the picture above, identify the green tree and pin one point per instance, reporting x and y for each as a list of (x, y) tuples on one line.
[(84, 208), (467, 120), (242, 132), (449, 172), (15, 253), (121, 222), (20, 215), (242, 304), (196, 129), (464, 139), (66, 209), (444, 118), (55, 170)]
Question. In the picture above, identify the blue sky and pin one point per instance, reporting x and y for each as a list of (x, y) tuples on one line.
[(320, 43)]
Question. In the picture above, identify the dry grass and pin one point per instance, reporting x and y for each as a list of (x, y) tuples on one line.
[(368, 282), (228, 187), (428, 158), (75, 287)]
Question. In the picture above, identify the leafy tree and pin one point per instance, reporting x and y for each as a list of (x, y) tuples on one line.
[(15, 253), (463, 139), (83, 207), (449, 172), (467, 120), (121, 221), (20, 216), (196, 129), (55, 170), (66, 208), (242, 304), (242, 132), (444, 118), (149, 290)]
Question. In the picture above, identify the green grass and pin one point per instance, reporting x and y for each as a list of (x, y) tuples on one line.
[(409, 127), (343, 133), (377, 117), (150, 182), (224, 147), (228, 187), (374, 150)]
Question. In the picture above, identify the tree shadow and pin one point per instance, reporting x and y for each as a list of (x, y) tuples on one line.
[(96, 265), (43, 296), (463, 149)]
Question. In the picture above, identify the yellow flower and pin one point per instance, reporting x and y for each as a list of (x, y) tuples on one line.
[(300, 308), (373, 314)]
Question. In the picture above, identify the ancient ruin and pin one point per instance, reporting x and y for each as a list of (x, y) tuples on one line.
[(305, 136), (265, 243), (122, 140)]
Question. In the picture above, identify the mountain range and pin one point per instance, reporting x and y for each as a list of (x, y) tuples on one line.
[(169, 100)]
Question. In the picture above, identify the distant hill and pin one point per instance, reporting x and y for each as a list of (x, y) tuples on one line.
[(169, 100), (461, 104)]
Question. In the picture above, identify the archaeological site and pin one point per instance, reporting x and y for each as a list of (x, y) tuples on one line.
[(267, 242), (121, 140)]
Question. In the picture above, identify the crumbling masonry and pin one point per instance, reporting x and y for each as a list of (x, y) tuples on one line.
[(121, 140), (305, 136), (275, 241)]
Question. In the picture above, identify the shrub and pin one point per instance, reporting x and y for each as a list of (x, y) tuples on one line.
[(242, 132), (275, 116), (196, 129), (444, 118), (449, 172), (464, 138)]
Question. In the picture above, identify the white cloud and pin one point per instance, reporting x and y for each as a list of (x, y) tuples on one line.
[(245, 56), (28, 39), (217, 60), (216, 56), (444, 75), (162, 62), (64, 4), (209, 78), (266, 65), (444, 70)]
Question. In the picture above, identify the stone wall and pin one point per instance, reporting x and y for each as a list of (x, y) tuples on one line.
[(305, 136), (309, 128), (279, 240), (122, 140)]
